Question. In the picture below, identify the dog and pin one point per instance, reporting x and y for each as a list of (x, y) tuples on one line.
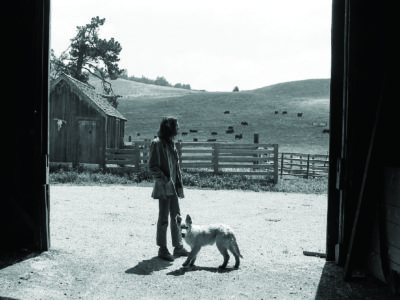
[(197, 236)]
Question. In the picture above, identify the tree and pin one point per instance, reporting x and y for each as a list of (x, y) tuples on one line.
[(161, 81), (89, 54), (236, 89)]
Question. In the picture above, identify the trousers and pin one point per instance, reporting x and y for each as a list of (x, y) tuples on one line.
[(168, 207)]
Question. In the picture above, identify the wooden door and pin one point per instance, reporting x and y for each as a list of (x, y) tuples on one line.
[(58, 140), (88, 141)]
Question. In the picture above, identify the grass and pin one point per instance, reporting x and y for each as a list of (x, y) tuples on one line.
[(206, 180), (204, 111)]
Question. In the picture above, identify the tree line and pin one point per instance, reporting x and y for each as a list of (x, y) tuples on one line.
[(160, 80)]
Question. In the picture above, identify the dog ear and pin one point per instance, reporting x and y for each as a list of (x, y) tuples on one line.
[(178, 218), (188, 219)]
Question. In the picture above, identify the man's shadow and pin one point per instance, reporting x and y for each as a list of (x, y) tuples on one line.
[(184, 270), (148, 266)]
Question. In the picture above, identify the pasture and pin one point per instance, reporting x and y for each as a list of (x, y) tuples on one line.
[(249, 112)]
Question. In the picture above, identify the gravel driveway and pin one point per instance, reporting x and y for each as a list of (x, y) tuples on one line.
[(103, 247)]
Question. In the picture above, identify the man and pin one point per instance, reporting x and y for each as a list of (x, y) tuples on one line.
[(165, 169)]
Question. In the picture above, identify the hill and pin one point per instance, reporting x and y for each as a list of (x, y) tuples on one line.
[(132, 89), (204, 112), (310, 88), (144, 105)]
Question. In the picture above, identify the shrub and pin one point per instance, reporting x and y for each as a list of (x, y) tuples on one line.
[(202, 179)]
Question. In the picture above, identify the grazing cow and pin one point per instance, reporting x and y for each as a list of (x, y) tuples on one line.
[(276, 112), (194, 140), (299, 115), (284, 112), (193, 130), (325, 131), (138, 134), (238, 136), (245, 123), (214, 133), (230, 127), (184, 133), (211, 140), (226, 112), (230, 130)]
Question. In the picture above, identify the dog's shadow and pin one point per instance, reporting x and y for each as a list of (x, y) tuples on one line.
[(184, 270), (148, 266)]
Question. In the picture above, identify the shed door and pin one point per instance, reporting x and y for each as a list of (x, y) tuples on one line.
[(58, 140), (88, 141)]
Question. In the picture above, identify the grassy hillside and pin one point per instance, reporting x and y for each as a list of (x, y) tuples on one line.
[(204, 111), (129, 88)]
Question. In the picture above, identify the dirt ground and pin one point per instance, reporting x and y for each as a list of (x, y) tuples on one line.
[(103, 247)]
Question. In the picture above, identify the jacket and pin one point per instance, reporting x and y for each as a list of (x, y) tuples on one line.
[(159, 169)]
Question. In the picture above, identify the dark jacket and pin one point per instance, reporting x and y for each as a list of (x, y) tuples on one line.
[(159, 169)]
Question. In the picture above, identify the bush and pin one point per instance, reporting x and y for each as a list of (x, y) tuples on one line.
[(126, 175)]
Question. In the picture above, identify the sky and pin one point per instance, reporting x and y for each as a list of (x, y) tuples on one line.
[(212, 45)]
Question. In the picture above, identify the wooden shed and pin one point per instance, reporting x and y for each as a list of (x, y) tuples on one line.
[(82, 123)]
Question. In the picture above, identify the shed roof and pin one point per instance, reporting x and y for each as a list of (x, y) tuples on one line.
[(90, 92)]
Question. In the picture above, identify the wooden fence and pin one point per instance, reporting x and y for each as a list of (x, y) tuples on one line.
[(229, 158), (226, 158), (304, 165)]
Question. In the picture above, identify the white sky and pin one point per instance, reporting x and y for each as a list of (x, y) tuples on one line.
[(210, 44)]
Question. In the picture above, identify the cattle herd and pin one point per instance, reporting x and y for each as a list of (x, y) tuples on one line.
[(231, 130)]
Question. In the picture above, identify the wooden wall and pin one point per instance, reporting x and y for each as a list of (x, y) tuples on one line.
[(364, 143), (81, 137), (25, 203), (115, 133), (384, 252)]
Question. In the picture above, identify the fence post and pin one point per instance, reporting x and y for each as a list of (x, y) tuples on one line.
[(308, 166), (291, 163), (256, 138), (282, 158), (255, 162), (215, 157), (103, 156), (276, 164), (136, 159)]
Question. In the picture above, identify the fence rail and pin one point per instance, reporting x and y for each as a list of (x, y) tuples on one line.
[(305, 165), (229, 158), (240, 159)]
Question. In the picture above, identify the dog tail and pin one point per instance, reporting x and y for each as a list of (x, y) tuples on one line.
[(236, 247)]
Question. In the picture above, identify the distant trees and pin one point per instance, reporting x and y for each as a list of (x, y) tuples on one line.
[(236, 89), (160, 80), (182, 86)]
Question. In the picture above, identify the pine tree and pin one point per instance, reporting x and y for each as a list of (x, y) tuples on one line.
[(89, 54)]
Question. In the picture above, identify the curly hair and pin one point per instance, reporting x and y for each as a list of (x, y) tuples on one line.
[(168, 129)]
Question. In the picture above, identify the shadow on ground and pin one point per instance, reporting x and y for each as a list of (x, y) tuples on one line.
[(148, 266), (361, 287), (10, 257), (184, 270)]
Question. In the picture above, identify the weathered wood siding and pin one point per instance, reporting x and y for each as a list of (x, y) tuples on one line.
[(70, 131), (391, 225)]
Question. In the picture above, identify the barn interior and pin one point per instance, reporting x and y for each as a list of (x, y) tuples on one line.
[(363, 223)]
